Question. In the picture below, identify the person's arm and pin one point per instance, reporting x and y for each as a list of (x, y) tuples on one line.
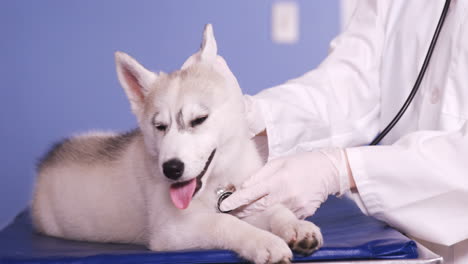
[(418, 185), (337, 104)]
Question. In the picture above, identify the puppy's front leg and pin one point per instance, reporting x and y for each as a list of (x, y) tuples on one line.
[(221, 231), (302, 236)]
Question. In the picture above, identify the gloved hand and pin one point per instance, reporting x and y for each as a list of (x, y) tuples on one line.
[(301, 182)]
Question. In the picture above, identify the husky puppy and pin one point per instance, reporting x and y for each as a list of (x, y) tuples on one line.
[(156, 185)]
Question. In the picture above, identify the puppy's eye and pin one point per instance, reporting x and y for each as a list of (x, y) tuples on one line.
[(198, 121), (161, 127)]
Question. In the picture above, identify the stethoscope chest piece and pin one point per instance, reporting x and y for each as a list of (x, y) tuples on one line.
[(223, 193)]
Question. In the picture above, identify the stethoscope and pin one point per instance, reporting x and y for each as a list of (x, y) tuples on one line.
[(224, 193)]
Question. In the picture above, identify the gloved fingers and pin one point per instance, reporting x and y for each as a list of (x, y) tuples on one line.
[(244, 196), (251, 209)]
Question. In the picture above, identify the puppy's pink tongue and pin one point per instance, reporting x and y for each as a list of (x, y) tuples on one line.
[(181, 193)]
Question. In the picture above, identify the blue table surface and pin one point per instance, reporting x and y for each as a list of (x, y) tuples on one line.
[(348, 234)]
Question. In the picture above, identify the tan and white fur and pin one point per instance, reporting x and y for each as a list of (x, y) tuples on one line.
[(109, 187)]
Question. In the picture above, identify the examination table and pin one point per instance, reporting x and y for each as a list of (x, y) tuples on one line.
[(350, 237)]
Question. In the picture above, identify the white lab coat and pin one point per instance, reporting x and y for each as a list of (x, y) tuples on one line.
[(417, 181)]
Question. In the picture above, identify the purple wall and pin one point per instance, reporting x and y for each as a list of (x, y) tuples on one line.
[(58, 75)]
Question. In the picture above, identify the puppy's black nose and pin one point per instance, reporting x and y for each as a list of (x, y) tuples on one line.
[(173, 169)]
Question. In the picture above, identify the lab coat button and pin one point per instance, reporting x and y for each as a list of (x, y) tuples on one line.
[(435, 97)]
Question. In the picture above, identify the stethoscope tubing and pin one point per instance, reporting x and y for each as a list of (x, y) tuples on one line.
[(421, 74)]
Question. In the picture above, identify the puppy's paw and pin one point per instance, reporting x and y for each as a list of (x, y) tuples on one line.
[(266, 248), (302, 236)]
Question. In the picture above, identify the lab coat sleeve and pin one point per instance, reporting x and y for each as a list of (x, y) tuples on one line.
[(337, 104), (418, 185)]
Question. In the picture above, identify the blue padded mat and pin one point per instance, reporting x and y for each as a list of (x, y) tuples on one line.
[(347, 232)]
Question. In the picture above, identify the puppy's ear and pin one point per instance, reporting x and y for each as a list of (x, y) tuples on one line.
[(209, 49), (134, 78)]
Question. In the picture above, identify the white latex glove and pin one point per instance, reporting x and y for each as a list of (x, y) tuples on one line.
[(301, 182), (255, 121)]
